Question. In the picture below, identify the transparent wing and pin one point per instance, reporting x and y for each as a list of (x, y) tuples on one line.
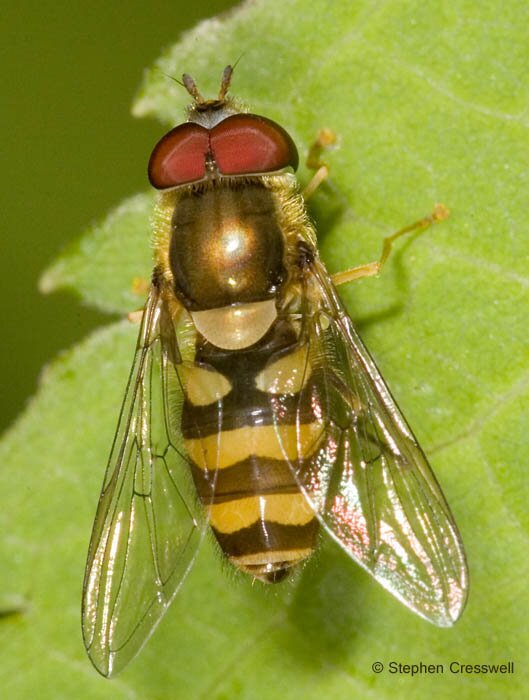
[(146, 530), (366, 476)]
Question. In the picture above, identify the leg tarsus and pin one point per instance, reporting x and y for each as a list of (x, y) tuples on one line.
[(319, 176), (324, 139), (439, 213), (140, 286), (135, 316)]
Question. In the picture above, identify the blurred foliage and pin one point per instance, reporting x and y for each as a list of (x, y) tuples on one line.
[(71, 150)]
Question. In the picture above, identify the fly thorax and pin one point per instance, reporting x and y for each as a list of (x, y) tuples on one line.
[(227, 260)]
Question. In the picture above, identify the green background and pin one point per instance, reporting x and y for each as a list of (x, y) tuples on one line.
[(430, 103), (70, 151)]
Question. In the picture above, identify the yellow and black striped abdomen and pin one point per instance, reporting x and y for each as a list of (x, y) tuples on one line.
[(249, 457)]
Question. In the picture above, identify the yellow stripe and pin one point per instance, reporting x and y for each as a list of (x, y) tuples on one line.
[(285, 509), (288, 375), (263, 558), (228, 447), (204, 386)]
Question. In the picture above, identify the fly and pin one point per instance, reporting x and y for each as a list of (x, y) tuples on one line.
[(251, 388)]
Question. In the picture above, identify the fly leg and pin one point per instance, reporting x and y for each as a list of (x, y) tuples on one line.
[(324, 140), (439, 213), (315, 162), (140, 286)]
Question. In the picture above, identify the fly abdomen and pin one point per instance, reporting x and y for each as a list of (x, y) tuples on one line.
[(250, 460)]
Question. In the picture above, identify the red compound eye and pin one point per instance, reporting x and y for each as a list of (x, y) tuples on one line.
[(243, 144), (249, 144), (179, 157)]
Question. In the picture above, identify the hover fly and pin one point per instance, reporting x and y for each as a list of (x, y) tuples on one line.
[(253, 408)]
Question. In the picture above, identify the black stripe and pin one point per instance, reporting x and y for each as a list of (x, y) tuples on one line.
[(254, 476), (245, 404), (256, 410), (265, 536)]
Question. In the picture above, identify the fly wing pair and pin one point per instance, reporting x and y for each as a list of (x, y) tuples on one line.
[(369, 483)]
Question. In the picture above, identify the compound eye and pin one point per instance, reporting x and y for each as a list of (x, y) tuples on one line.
[(179, 157), (245, 144)]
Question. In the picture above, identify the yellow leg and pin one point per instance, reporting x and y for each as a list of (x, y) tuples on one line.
[(135, 316), (325, 138), (439, 213), (140, 286)]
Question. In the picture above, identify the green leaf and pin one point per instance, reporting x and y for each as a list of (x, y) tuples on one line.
[(428, 101), (110, 266)]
